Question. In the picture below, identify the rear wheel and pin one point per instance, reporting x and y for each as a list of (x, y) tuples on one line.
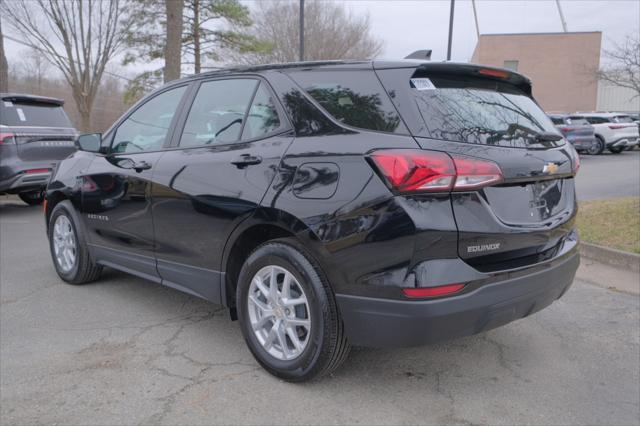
[(596, 147), (288, 314), (68, 247), (33, 198)]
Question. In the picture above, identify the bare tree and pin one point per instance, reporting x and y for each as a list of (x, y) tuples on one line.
[(79, 37), (624, 70), (173, 46), (4, 66), (331, 32), (34, 64)]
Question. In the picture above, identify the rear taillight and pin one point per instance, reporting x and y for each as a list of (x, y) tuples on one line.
[(407, 170), (565, 129), (7, 139), (619, 126), (34, 171), (443, 290)]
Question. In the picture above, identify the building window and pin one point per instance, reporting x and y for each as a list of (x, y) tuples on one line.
[(511, 65)]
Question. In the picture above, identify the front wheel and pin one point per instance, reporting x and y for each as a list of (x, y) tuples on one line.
[(68, 246), (288, 314), (33, 198)]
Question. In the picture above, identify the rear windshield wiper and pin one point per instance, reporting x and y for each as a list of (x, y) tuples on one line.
[(547, 137)]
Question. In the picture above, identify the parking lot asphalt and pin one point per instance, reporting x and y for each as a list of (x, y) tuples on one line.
[(609, 175), (127, 351)]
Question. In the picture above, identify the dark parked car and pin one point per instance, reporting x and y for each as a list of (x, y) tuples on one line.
[(35, 133), (330, 204), (578, 132)]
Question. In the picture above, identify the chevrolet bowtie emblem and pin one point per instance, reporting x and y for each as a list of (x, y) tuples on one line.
[(550, 168)]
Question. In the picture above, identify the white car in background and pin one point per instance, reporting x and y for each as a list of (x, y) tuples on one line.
[(614, 131)]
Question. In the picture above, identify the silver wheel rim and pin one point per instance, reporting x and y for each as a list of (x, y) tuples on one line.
[(279, 312), (64, 243)]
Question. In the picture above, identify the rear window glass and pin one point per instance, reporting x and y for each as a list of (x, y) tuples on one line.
[(355, 98), (481, 112), (577, 121), (623, 119), (32, 114)]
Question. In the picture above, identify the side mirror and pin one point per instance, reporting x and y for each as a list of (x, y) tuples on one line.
[(89, 142)]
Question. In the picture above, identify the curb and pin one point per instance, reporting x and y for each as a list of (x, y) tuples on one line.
[(609, 256)]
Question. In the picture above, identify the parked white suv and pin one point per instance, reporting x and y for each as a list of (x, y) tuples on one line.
[(614, 131)]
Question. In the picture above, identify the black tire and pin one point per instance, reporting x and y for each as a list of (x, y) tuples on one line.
[(327, 345), (33, 198), (616, 149), (85, 269), (597, 147)]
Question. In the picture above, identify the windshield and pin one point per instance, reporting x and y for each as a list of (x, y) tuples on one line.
[(33, 114), (481, 116)]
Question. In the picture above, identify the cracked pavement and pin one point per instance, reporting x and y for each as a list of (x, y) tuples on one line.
[(127, 351)]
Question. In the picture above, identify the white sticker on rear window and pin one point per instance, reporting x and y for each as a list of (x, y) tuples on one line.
[(8, 104), (422, 84), (21, 114)]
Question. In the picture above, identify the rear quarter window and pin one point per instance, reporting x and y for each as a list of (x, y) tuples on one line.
[(33, 114), (355, 98)]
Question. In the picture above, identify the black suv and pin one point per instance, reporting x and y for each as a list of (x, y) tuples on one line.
[(35, 133), (330, 204)]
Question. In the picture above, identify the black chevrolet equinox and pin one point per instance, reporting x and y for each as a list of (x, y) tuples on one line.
[(330, 204)]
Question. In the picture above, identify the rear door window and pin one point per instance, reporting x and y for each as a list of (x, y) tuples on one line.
[(263, 115), (355, 98), (218, 111), (33, 114)]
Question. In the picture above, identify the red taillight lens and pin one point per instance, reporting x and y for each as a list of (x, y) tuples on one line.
[(7, 138), (442, 290), (33, 171), (619, 126), (473, 173), (564, 129), (408, 170)]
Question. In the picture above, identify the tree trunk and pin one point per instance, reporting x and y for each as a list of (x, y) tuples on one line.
[(173, 48), (196, 35), (4, 67)]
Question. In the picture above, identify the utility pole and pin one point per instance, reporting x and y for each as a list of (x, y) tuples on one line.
[(564, 23), (475, 17), (301, 30), (453, 5)]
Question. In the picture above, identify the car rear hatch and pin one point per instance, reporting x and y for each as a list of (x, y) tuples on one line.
[(489, 114), (42, 131)]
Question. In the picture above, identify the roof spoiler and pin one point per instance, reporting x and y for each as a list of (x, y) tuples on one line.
[(424, 55), (19, 98)]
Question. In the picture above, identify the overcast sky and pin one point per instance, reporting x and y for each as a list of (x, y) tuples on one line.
[(408, 25)]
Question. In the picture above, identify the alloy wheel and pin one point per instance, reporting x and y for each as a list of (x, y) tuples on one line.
[(64, 243), (279, 312)]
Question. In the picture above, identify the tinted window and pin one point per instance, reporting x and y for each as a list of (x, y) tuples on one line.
[(263, 116), (33, 114), (623, 119), (577, 121), (597, 120), (217, 112), (458, 110), (557, 120), (146, 129), (355, 98)]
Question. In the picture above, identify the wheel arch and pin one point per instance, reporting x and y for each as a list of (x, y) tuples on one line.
[(265, 225)]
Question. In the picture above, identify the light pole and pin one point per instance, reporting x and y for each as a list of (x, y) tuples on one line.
[(301, 30), (453, 4)]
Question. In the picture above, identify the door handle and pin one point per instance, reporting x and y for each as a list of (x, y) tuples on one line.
[(140, 166), (246, 160)]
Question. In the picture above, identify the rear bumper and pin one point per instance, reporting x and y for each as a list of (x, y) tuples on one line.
[(397, 323), (25, 182)]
